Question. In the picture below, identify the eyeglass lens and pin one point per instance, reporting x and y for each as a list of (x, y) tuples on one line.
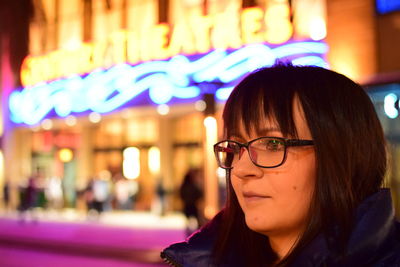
[(265, 152)]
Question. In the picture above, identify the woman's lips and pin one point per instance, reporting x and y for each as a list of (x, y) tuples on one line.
[(252, 196)]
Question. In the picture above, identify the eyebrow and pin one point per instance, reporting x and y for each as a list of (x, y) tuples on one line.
[(263, 131), (268, 130)]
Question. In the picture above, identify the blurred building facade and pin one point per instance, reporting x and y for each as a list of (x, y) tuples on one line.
[(135, 88)]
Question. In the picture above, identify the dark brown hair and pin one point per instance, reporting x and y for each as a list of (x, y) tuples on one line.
[(349, 146)]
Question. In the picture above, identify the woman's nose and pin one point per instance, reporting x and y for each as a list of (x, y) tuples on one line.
[(244, 166)]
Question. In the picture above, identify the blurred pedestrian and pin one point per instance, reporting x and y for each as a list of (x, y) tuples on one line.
[(97, 193), (159, 203), (28, 200), (305, 158), (6, 195), (191, 193), (124, 191), (89, 197), (54, 193)]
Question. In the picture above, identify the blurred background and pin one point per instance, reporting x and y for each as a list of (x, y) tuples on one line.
[(110, 108)]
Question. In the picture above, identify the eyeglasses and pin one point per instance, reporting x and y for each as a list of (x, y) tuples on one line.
[(265, 152)]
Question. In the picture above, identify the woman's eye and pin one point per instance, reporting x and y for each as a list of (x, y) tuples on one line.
[(235, 148), (274, 145)]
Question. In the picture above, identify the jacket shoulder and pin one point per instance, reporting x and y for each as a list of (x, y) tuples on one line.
[(196, 250), (391, 257)]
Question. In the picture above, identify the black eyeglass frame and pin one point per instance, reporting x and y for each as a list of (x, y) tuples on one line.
[(286, 142)]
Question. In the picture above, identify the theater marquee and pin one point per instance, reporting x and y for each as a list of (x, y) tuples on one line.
[(162, 64)]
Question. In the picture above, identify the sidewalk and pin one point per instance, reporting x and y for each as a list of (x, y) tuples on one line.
[(131, 236)]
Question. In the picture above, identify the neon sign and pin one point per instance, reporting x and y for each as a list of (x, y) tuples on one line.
[(197, 34), (176, 79)]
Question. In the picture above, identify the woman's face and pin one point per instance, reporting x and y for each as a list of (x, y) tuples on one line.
[(276, 201)]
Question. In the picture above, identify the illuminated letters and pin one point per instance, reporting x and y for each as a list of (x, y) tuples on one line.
[(223, 36), (251, 25), (202, 25), (196, 35), (160, 41), (279, 29), (133, 52), (181, 40), (118, 45)]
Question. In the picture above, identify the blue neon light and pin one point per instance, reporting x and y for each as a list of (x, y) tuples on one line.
[(310, 60), (223, 93), (390, 105), (103, 90), (300, 48)]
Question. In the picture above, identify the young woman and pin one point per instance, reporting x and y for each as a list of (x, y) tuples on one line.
[(305, 158)]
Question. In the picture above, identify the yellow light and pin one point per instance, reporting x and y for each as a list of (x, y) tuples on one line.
[(251, 25), (211, 181), (317, 28), (94, 117), (65, 154), (200, 105), (118, 40), (203, 25), (224, 36), (72, 44), (47, 124), (160, 41), (132, 50), (346, 67), (98, 51), (154, 160), (25, 72), (277, 21), (70, 120), (163, 109), (210, 123), (179, 42), (131, 163)]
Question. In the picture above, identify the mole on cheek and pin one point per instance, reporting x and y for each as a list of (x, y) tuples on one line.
[(294, 188)]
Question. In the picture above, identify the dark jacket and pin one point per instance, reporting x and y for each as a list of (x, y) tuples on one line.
[(375, 241)]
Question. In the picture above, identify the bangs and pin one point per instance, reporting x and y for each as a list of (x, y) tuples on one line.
[(259, 98)]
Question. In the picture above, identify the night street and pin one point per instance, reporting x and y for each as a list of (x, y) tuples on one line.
[(238, 133)]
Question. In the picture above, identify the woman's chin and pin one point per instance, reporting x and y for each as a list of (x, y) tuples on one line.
[(258, 225)]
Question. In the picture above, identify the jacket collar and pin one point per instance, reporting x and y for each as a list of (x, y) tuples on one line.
[(371, 236), (196, 249)]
